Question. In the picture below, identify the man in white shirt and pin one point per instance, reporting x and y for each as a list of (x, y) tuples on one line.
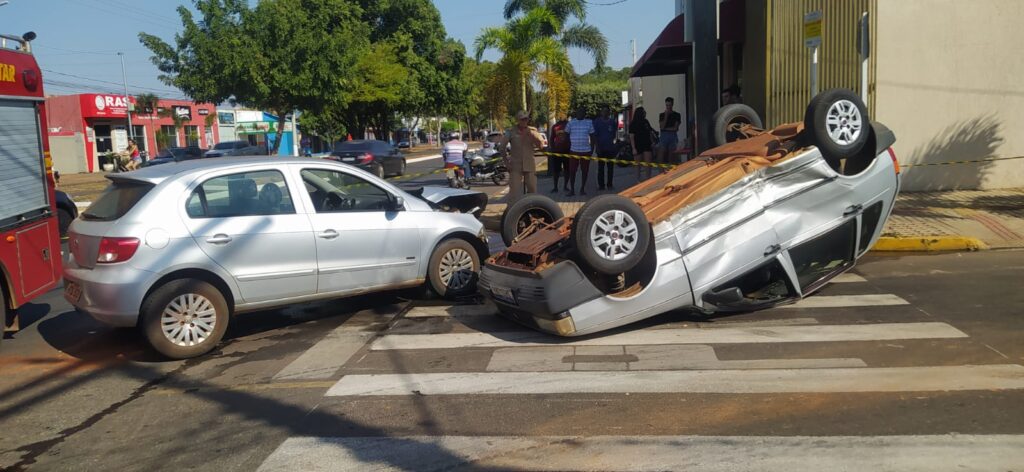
[(581, 137), (454, 152)]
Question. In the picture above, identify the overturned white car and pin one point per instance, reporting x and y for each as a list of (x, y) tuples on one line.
[(754, 223)]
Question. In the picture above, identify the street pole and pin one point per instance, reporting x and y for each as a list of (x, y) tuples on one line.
[(814, 71), (865, 51), (705, 69), (295, 135), (127, 101)]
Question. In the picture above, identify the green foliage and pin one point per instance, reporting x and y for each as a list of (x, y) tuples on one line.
[(599, 75), (600, 86), (145, 104), (279, 56), (163, 140)]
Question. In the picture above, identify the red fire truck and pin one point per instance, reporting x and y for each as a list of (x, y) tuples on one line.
[(30, 257)]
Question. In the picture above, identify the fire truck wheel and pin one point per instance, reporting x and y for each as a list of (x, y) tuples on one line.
[(184, 318)]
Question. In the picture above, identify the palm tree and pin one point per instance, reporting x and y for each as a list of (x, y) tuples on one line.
[(579, 35), (527, 53)]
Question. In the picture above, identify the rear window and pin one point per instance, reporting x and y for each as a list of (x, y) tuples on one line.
[(116, 200), (353, 146)]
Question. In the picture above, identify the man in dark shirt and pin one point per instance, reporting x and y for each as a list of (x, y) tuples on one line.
[(668, 140), (605, 127)]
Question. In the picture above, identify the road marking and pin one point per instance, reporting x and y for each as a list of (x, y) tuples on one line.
[(654, 453), (844, 301), (843, 380), (639, 358), (848, 277), (325, 357), (421, 159), (779, 334), (453, 311)]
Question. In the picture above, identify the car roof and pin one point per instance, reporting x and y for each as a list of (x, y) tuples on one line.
[(156, 174)]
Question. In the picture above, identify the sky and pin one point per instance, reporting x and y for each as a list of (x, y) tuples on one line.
[(78, 40)]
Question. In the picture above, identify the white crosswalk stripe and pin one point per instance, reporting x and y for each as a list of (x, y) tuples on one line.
[(677, 358)]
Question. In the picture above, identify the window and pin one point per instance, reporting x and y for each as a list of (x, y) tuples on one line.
[(116, 200), (828, 253), (140, 137), (257, 193), (225, 118), (868, 223), (191, 136), (336, 192), (168, 136)]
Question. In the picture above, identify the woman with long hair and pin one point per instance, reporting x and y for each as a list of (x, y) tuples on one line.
[(640, 137)]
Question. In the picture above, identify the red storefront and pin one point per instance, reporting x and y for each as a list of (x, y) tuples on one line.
[(98, 123)]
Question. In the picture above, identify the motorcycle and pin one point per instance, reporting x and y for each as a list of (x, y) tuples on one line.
[(456, 176), (488, 167)]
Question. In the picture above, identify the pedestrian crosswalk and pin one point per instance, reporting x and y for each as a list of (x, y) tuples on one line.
[(458, 387)]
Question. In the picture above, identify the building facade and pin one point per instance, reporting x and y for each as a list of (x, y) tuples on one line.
[(942, 74), (84, 126)]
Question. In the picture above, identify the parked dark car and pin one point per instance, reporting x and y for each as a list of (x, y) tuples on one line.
[(404, 144), (376, 157), (176, 154), (66, 212), (235, 148)]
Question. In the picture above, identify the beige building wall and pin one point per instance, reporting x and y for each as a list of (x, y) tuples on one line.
[(68, 153), (950, 84)]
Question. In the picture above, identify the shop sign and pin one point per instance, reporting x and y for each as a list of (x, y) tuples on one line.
[(204, 112), (812, 29), (100, 105), (182, 111), (259, 127)]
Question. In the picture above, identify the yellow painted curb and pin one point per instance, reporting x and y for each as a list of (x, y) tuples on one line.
[(929, 243)]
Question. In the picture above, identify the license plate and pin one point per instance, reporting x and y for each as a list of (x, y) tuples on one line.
[(348, 159), (450, 173), (504, 294), (72, 291)]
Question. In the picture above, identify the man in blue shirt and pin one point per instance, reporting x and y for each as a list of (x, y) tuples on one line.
[(581, 139), (605, 127)]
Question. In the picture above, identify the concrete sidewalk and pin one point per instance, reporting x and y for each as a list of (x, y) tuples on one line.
[(921, 221)]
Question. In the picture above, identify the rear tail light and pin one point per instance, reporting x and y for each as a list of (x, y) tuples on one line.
[(366, 158), (895, 163), (116, 250)]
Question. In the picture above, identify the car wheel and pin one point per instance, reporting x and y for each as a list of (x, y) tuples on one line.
[(727, 117), (528, 210), (64, 220), (378, 170), (611, 234), (184, 318), (837, 123), (401, 168), (454, 268)]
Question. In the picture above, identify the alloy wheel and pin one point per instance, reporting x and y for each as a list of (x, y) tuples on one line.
[(456, 269), (614, 235), (843, 122)]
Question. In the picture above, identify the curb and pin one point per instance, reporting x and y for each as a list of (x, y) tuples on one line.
[(929, 243)]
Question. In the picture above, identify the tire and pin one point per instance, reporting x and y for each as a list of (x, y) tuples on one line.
[(837, 123), (177, 292), (500, 177), (64, 220), (379, 171), (454, 269), (729, 115), (611, 234), (401, 168), (518, 216)]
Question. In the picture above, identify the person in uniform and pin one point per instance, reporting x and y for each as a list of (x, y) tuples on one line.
[(523, 139)]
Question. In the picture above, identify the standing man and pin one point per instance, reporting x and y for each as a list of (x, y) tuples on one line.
[(558, 142), (581, 139), (669, 122), (522, 168), (454, 152), (605, 128)]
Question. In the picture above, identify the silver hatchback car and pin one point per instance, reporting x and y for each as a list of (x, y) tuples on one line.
[(176, 249)]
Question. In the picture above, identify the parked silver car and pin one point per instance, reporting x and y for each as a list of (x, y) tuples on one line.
[(754, 223), (177, 249)]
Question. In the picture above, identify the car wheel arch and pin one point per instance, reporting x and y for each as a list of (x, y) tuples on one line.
[(482, 249), (197, 274)]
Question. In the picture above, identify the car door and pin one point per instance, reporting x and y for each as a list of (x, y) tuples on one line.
[(728, 235), (246, 222), (362, 241)]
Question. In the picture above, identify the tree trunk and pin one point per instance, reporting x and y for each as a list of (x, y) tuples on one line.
[(523, 84), (278, 134)]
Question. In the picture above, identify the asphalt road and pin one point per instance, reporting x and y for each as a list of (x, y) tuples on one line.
[(912, 362)]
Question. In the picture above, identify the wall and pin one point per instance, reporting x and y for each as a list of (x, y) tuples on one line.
[(949, 83), (68, 152), (788, 85), (655, 89), (754, 60)]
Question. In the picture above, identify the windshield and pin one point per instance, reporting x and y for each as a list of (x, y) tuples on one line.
[(225, 145), (172, 152), (116, 200)]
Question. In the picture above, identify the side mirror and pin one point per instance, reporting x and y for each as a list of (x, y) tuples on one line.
[(397, 203)]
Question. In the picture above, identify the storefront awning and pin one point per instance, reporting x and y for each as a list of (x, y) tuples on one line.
[(668, 54)]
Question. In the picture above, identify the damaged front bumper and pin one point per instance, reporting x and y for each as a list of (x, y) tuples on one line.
[(543, 300)]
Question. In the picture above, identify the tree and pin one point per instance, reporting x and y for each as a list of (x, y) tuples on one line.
[(579, 35), (279, 56), (378, 91), (600, 86), (146, 103)]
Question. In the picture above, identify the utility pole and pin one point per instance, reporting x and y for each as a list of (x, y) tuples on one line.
[(127, 101)]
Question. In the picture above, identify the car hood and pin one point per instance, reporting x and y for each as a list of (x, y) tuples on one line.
[(452, 199)]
